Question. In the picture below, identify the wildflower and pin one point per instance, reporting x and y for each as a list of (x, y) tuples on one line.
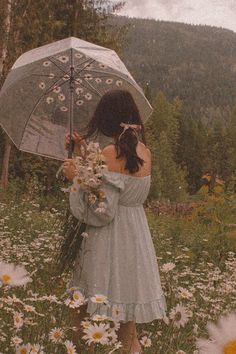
[(78, 296), (184, 293), (96, 334), (146, 342), (180, 315), (70, 347), (167, 267), (222, 336), (56, 335), (16, 340), (18, 319), (99, 299), (117, 346), (23, 349), (84, 234), (99, 317)]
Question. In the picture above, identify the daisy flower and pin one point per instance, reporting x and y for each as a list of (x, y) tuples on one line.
[(46, 63), (78, 81), (29, 308), (102, 66), (13, 275), (88, 96), (16, 340), (78, 55), (180, 315), (222, 336), (119, 83), (36, 349), (63, 108), (146, 342), (49, 99), (96, 334), (70, 347), (79, 90), (57, 89), (66, 77), (79, 102), (23, 349), (18, 319), (167, 267), (109, 81), (78, 296), (56, 335), (99, 299), (185, 293), (99, 318), (42, 85), (88, 77), (61, 97), (63, 58), (86, 324)]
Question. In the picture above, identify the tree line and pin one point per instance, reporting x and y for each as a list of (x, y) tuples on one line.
[(184, 147)]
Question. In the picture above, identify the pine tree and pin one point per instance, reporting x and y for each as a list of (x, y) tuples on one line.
[(168, 179)]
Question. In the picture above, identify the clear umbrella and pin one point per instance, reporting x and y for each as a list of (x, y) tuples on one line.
[(55, 88)]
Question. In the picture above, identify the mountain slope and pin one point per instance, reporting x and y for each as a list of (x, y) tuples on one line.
[(195, 63)]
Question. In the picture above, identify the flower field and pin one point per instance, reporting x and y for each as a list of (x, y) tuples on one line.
[(197, 262)]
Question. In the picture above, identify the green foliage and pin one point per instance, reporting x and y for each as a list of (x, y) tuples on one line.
[(195, 63), (163, 132)]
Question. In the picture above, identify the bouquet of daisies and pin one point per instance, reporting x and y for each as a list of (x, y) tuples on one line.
[(89, 169)]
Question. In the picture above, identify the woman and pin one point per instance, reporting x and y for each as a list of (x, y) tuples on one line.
[(119, 259)]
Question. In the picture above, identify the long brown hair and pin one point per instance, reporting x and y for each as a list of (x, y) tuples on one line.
[(115, 107)]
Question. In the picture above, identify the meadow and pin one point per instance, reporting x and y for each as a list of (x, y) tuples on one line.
[(196, 255)]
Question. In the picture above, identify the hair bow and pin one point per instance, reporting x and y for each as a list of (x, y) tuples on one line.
[(132, 126)]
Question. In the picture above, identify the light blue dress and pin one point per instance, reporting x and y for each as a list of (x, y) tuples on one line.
[(118, 258)]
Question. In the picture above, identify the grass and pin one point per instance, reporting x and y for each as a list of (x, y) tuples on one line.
[(202, 246)]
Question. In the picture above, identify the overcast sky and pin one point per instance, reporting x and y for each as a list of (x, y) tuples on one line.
[(220, 13)]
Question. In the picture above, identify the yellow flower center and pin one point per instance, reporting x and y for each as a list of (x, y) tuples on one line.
[(23, 351), (230, 348), (76, 297), (57, 334), (97, 335), (178, 316), (99, 299), (6, 278)]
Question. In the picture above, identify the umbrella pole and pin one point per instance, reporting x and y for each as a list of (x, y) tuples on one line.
[(71, 106)]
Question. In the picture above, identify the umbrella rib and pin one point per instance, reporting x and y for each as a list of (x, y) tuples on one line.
[(57, 66), (94, 89), (47, 75)]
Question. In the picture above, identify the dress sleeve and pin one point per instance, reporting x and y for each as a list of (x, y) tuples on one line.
[(112, 185)]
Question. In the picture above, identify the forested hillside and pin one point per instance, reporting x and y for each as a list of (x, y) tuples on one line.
[(195, 63)]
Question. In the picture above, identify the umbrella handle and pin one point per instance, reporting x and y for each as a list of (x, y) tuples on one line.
[(71, 148)]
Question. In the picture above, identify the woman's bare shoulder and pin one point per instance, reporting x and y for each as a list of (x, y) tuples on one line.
[(110, 154)]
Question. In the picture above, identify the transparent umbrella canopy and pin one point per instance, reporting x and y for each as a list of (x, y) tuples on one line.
[(55, 88)]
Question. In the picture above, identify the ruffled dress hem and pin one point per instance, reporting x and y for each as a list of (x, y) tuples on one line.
[(124, 312)]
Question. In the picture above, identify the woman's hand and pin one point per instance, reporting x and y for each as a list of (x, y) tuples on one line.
[(69, 169), (78, 143)]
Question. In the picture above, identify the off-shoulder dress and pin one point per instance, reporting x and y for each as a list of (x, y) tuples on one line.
[(118, 258)]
